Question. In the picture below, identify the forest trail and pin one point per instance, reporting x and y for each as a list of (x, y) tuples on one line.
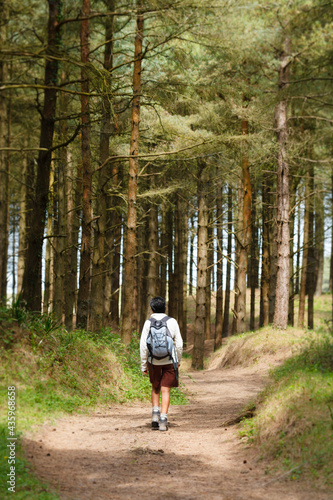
[(114, 453)]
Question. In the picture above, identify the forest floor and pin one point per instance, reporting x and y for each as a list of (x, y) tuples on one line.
[(114, 454)]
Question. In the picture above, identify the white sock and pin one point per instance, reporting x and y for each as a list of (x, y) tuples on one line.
[(156, 408), (164, 415)]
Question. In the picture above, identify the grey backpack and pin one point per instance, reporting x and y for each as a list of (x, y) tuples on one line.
[(160, 342)]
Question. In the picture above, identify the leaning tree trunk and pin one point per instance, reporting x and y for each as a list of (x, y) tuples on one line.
[(202, 261), (85, 261), (280, 319), (31, 287), (130, 247)]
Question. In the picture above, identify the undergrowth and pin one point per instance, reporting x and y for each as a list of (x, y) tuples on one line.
[(293, 424), (27, 486), (57, 372)]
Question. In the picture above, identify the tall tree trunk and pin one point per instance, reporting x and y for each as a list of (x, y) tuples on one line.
[(4, 164), (31, 287), (209, 284), (311, 256), (98, 278), (192, 236), (85, 261), (172, 304), (291, 312), (163, 252), (185, 287), (331, 261), (22, 225), (280, 319), (48, 280), (237, 225), (225, 327), (153, 249), (202, 261), (219, 269), (301, 310), (244, 238), (60, 237), (298, 256), (319, 240), (254, 261), (265, 266), (130, 249), (180, 262), (72, 196)]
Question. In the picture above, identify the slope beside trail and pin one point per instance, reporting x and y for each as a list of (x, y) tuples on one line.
[(114, 453)]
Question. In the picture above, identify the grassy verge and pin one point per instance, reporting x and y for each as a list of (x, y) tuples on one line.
[(293, 423), (56, 372)]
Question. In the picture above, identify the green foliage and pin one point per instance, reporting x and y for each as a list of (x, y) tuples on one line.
[(60, 371)]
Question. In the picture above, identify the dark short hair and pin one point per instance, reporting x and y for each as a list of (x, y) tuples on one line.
[(158, 305)]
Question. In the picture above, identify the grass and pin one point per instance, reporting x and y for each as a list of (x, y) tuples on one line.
[(27, 486), (293, 423), (56, 372)]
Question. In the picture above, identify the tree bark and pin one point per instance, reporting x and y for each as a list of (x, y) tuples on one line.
[(301, 310), (209, 284), (280, 319), (48, 281), (130, 250), (22, 225), (225, 327), (244, 238), (4, 198), (83, 305), (265, 266), (202, 261), (153, 243), (99, 270), (60, 237), (163, 252), (31, 287), (73, 187), (184, 259), (291, 312), (180, 262), (319, 241), (254, 261), (219, 270), (311, 254)]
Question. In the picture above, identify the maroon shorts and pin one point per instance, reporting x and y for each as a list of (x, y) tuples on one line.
[(162, 375)]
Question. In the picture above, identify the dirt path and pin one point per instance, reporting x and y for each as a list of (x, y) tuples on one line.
[(114, 454)]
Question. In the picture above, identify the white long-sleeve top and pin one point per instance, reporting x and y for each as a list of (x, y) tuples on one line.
[(177, 339)]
